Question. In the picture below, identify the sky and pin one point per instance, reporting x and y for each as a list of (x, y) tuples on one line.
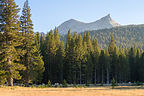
[(47, 14)]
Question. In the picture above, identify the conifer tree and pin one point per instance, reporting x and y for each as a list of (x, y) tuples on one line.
[(84, 61), (11, 40), (60, 55), (79, 52), (124, 66), (69, 38), (44, 50), (102, 62), (31, 59), (137, 66), (57, 38), (68, 58), (89, 58), (113, 52), (107, 65), (42, 45), (37, 40), (112, 46), (50, 56), (84, 37), (89, 43), (132, 60), (95, 56), (38, 67), (141, 68)]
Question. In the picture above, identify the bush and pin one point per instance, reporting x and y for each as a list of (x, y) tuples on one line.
[(137, 83), (113, 83), (101, 84), (57, 85), (76, 86), (64, 84), (87, 83), (49, 84), (33, 86)]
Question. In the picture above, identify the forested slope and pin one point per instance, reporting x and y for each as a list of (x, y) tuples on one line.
[(125, 36)]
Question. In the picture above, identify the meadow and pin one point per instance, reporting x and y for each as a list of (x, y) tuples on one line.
[(95, 91)]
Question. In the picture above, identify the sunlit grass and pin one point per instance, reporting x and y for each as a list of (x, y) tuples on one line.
[(95, 91)]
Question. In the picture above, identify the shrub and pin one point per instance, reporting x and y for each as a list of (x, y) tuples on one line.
[(64, 84), (49, 84), (76, 86), (137, 83), (113, 83), (101, 84), (87, 83)]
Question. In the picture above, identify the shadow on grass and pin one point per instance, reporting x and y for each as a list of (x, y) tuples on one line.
[(128, 87)]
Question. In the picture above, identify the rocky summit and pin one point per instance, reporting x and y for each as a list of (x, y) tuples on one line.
[(78, 26)]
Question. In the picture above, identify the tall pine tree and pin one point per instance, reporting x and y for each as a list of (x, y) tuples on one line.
[(11, 39), (31, 58), (95, 57)]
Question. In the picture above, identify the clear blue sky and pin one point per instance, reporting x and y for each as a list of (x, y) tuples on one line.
[(46, 14)]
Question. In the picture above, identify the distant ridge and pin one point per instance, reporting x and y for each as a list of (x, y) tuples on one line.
[(78, 26)]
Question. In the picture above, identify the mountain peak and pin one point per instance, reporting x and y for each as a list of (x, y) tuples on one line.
[(71, 20), (78, 26), (107, 17)]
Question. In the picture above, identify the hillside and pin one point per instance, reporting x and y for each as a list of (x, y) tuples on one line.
[(125, 36)]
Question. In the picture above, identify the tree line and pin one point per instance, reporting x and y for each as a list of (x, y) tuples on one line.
[(28, 57), (81, 60)]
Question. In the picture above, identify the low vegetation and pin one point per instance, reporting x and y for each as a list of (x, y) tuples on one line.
[(98, 91)]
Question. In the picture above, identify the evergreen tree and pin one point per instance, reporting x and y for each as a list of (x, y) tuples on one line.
[(89, 58), (89, 43), (124, 66), (132, 60), (95, 58), (68, 59), (42, 45), (11, 40), (79, 55), (31, 59), (141, 68), (57, 38), (107, 65), (112, 46), (113, 52), (38, 67), (102, 63), (50, 53), (69, 38), (60, 55), (137, 66)]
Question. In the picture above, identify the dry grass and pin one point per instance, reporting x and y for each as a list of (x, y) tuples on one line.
[(98, 91)]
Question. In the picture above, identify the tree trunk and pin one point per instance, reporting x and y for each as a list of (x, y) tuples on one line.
[(107, 70), (95, 75), (80, 76), (27, 79), (102, 76), (10, 81), (61, 75)]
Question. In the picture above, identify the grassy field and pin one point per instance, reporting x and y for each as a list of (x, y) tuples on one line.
[(98, 91)]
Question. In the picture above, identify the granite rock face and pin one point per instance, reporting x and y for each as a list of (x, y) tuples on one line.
[(78, 26)]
